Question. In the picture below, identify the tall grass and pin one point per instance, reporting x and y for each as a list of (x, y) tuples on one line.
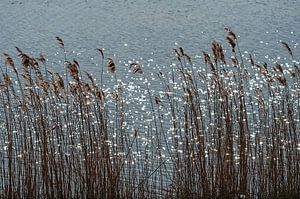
[(219, 129)]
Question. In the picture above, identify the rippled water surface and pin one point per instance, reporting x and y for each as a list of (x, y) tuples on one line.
[(148, 29), (145, 32)]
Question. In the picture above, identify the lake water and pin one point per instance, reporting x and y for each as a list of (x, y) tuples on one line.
[(132, 29), (145, 31)]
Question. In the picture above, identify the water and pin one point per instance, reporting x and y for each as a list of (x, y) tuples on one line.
[(145, 31), (149, 29)]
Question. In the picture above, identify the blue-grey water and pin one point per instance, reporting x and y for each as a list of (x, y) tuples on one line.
[(149, 29), (145, 31)]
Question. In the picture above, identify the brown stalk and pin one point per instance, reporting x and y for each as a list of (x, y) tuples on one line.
[(101, 52), (286, 46)]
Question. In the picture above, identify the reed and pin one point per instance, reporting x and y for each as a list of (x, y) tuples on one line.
[(224, 128)]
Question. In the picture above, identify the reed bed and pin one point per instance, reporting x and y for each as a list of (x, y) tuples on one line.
[(227, 128)]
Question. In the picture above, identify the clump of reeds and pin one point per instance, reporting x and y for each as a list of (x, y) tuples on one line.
[(224, 131), (236, 142)]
